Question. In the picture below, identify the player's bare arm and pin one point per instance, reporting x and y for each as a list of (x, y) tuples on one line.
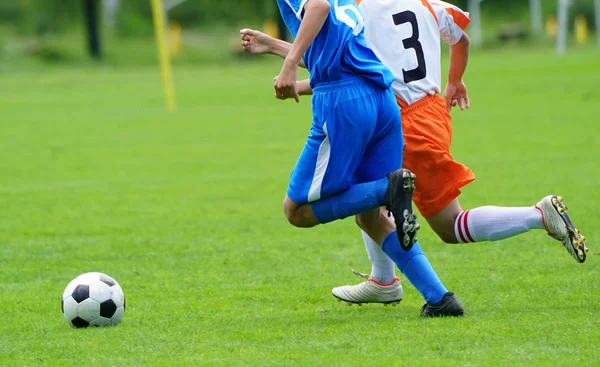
[(315, 14), (303, 87), (258, 43), (456, 91)]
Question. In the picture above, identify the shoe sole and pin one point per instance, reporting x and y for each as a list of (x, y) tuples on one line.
[(450, 314), (406, 224), (450, 308), (577, 247), (350, 303)]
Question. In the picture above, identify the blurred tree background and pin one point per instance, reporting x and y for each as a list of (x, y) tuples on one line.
[(53, 30)]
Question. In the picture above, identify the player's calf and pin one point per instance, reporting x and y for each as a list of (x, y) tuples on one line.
[(443, 223), (376, 224)]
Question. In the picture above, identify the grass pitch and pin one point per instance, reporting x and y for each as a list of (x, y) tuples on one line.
[(184, 210)]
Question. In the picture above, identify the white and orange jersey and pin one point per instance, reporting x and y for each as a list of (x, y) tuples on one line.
[(405, 35)]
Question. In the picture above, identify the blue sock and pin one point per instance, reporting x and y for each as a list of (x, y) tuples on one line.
[(416, 268), (357, 199)]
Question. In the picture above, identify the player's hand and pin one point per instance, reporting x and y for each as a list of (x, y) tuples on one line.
[(456, 95), (255, 42), (285, 82)]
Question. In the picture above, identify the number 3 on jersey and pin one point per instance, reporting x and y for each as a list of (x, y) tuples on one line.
[(420, 72), (342, 13)]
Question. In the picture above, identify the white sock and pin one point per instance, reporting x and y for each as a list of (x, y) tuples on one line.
[(382, 267), (492, 223)]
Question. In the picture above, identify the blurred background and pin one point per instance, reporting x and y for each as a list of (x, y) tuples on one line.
[(34, 32), (184, 208)]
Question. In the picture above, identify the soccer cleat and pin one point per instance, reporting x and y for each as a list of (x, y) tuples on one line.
[(448, 306), (559, 226), (398, 201), (370, 291)]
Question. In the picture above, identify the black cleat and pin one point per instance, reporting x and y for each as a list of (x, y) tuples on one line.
[(398, 201), (448, 306)]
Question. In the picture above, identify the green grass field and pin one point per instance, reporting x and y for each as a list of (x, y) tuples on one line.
[(184, 210)]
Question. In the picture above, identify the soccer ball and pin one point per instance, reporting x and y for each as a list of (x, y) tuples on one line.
[(93, 299)]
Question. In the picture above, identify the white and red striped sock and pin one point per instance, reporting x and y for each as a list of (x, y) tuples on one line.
[(493, 223)]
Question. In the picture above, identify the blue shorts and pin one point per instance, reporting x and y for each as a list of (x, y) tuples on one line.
[(356, 136)]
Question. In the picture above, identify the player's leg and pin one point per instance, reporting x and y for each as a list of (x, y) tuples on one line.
[(487, 223), (383, 268), (428, 134), (303, 176), (299, 215), (413, 263), (415, 267), (376, 288), (383, 149), (443, 221), (321, 178), (350, 201), (321, 187), (384, 154), (493, 223)]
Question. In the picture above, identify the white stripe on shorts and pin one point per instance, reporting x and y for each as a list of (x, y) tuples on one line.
[(322, 161)]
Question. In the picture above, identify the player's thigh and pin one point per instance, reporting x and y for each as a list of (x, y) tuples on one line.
[(384, 152), (331, 154), (309, 168), (349, 125)]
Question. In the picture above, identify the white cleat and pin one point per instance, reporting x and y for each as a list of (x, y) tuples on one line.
[(370, 291), (559, 226)]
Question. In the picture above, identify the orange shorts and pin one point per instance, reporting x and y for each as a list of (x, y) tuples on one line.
[(427, 129)]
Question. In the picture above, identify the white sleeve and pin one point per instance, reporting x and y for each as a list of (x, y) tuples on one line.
[(297, 7), (452, 21)]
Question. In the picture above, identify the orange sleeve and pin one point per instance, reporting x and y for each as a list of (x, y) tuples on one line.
[(460, 19), (428, 6)]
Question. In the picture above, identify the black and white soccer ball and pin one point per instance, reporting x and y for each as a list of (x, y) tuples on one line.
[(93, 299)]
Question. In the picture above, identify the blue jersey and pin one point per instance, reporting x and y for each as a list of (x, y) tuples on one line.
[(340, 48)]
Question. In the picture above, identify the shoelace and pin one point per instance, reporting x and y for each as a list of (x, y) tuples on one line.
[(362, 275)]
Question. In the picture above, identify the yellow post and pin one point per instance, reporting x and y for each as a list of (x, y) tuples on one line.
[(551, 26), (270, 28), (581, 29), (158, 14), (175, 39)]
